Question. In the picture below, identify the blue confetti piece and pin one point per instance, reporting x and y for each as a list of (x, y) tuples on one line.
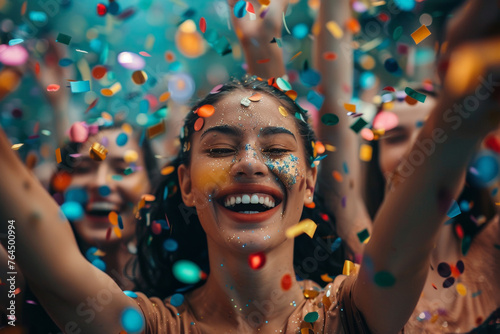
[(38, 16), (484, 170), (454, 210), (117, 177), (176, 300), (72, 210), (104, 191), (240, 9), (165, 193), (477, 293), (170, 245), (367, 80), (130, 294), (78, 195), (89, 254), (16, 41), (120, 222), (132, 321), (300, 31), (310, 77), (80, 86), (98, 263), (315, 99), (65, 62), (121, 139), (345, 167), (143, 106), (406, 5), (336, 244), (464, 206)]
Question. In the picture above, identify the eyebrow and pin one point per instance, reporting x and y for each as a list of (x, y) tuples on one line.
[(224, 129), (272, 130)]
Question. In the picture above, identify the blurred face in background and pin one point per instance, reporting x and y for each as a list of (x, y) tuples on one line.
[(114, 184)]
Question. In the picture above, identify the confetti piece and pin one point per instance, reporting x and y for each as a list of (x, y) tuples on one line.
[(263, 61), (306, 226), (350, 107), (414, 94), (206, 110), (384, 279), (420, 34), (131, 61), (365, 152), (64, 39), (350, 268), (360, 123), (461, 289), (98, 152), (295, 56), (336, 244), (329, 119), (334, 29), (80, 86), (72, 210), (176, 300), (256, 97), (115, 88), (170, 245), (58, 155), (283, 111), (198, 124), (385, 120), (156, 130), (167, 170), (99, 71), (203, 25), (363, 235), (353, 25), (391, 65), (53, 88), (15, 41), (285, 25), (286, 282), (139, 77), (132, 321), (16, 147), (316, 99), (337, 176), (329, 55), (186, 272), (311, 317), (310, 294), (257, 260), (78, 132), (454, 210), (164, 97), (23, 8), (245, 102), (326, 278), (117, 231), (240, 9)]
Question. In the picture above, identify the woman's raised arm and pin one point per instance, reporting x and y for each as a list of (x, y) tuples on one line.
[(396, 260), (77, 295)]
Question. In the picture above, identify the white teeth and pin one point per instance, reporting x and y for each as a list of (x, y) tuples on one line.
[(101, 206), (254, 199), (249, 212), (245, 199), (263, 199)]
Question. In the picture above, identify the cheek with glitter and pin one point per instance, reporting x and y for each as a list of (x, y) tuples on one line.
[(208, 180), (285, 168)]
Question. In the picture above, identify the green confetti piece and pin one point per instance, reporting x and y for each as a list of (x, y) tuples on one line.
[(397, 33), (360, 123), (363, 235), (128, 171), (384, 279), (414, 94), (329, 119), (311, 317), (117, 177), (64, 39), (283, 84)]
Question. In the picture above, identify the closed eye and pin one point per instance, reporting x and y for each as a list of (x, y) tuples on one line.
[(275, 151), (217, 152)]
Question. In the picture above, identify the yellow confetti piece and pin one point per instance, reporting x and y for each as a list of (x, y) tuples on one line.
[(167, 170), (326, 302), (335, 29), (330, 148), (127, 128), (461, 289), (365, 152), (326, 278), (420, 34), (130, 156), (117, 231), (350, 268), (434, 318), (310, 293), (58, 155), (296, 55), (99, 253), (350, 107), (283, 111), (98, 152), (150, 41), (107, 116), (306, 226), (156, 130), (16, 147)]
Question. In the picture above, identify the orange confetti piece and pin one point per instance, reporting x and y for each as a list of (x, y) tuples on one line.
[(296, 55), (58, 155), (164, 97), (263, 61), (337, 176), (198, 125), (156, 130), (319, 147), (311, 205), (410, 100), (329, 55), (167, 170), (255, 97), (169, 56), (113, 218), (353, 25), (117, 231), (326, 278), (350, 107), (420, 34), (206, 110), (53, 88), (291, 94), (61, 181), (23, 8), (37, 68)]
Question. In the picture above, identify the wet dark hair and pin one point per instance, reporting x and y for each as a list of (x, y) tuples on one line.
[(181, 223)]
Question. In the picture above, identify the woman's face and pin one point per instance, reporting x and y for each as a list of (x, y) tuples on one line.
[(109, 188), (248, 177), (397, 141)]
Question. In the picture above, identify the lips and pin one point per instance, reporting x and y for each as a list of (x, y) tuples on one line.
[(101, 209), (249, 202)]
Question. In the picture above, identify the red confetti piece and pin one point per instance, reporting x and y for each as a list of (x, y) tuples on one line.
[(286, 282), (108, 233), (329, 55), (263, 61), (101, 9), (144, 54), (257, 260), (99, 71), (459, 231), (389, 89), (250, 8), (493, 143), (383, 17), (53, 88), (156, 228), (203, 25), (92, 105), (198, 124), (434, 286), (37, 68)]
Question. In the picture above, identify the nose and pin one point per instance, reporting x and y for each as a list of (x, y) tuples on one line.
[(249, 163), (100, 178)]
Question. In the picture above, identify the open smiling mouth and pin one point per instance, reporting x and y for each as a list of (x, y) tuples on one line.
[(251, 206)]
